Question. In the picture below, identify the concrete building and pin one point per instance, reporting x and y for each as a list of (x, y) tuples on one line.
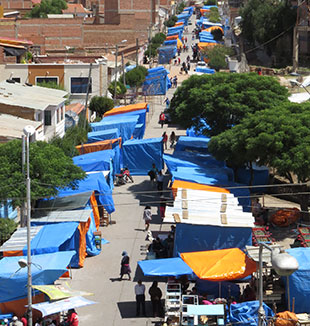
[(71, 75), (33, 104)]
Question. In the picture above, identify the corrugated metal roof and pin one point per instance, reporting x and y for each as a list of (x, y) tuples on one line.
[(65, 216), (32, 97), (18, 240)]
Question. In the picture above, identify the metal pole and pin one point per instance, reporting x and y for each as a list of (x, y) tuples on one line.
[(116, 54), (28, 240), (261, 311), (23, 208), (137, 50), (124, 78)]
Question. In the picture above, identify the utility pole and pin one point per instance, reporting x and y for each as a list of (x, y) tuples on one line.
[(296, 40), (23, 208), (115, 82), (124, 78), (87, 93), (137, 50)]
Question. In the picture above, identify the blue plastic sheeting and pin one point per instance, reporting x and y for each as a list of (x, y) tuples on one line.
[(226, 289), (205, 70), (7, 211), (46, 269), (140, 154), (95, 161), (166, 53), (91, 247), (156, 81), (175, 29), (171, 42), (192, 143), (130, 67), (260, 177), (139, 131), (100, 135), (243, 195), (165, 267), (126, 125), (197, 131), (299, 281), (246, 313), (93, 182), (202, 160), (207, 40), (190, 238)]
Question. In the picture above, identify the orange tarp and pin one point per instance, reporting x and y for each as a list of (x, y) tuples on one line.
[(286, 318), (202, 11), (97, 146), (83, 228), (212, 28), (12, 253), (197, 186), (17, 307), (94, 206), (203, 45), (126, 108), (172, 37), (220, 265), (178, 24)]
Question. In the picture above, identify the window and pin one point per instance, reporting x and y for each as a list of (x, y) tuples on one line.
[(39, 116), (58, 114), (79, 85), (47, 118), (16, 79), (40, 80), (62, 113)]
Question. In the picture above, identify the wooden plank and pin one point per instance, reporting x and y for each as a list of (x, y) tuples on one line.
[(224, 198), (223, 208), (185, 214), (224, 219), (184, 194), (184, 204), (176, 218)]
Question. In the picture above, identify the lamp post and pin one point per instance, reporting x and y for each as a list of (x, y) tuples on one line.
[(284, 265), (28, 131), (115, 81)]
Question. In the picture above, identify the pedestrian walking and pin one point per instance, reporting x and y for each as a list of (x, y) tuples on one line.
[(165, 139), (160, 182), (155, 294), (179, 61), (140, 298), (147, 216), (162, 207), (162, 119), (179, 51), (125, 268), (185, 39), (153, 172), (175, 81), (188, 66), (167, 101), (73, 318), (172, 139), (188, 59), (183, 65)]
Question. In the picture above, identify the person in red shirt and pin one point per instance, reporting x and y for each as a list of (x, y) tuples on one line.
[(73, 318), (24, 320)]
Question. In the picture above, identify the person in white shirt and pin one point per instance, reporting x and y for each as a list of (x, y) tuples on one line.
[(140, 298)]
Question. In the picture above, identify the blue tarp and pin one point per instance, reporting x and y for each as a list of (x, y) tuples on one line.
[(171, 42), (186, 143), (93, 182), (190, 238), (157, 81), (140, 154), (100, 135), (299, 281), (197, 132), (246, 313), (205, 70), (227, 289), (166, 53), (165, 267), (126, 125), (46, 269), (260, 177), (7, 211)]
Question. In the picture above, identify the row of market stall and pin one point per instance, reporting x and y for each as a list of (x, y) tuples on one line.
[(213, 235)]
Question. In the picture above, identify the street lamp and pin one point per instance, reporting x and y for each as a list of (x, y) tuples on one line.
[(116, 54), (28, 131), (284, 265)]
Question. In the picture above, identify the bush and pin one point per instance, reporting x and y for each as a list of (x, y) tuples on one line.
[(171, 21), (214, 15), (158, 38), (7, 227), (180, 7), (136, 76), (100, 105), (120, 88), (210, 3), (216, 55), (48, 7)]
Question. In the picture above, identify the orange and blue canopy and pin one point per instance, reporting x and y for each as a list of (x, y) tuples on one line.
[(220, 265), (126, 109)]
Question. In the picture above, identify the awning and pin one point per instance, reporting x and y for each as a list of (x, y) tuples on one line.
[(57, 292), (14, 51), (165, 267), (220, 265), (49, 308)]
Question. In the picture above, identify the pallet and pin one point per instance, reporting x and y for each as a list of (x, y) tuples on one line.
[(260, 235)]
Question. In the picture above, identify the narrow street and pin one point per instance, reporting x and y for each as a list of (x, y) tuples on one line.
[(116, 299)]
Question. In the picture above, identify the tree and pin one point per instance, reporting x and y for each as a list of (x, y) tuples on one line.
[(120, 88), (48, 7), (222, 100), (213, 15), (278, 137), (171, 21), (7, 227), (50, 169), (101, 104), (217, 56), (265, 20), (180, 7), (136, 76), (158, 38)]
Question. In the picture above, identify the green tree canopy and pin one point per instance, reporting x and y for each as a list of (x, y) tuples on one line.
[(214, 15), (7, 227), (136, 76), (278, 137), (171, 21), (120, 88), (222, 100), (180, 7), (264, 20), (101, 105), (217, 56), (48, 7), (49, 169)]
